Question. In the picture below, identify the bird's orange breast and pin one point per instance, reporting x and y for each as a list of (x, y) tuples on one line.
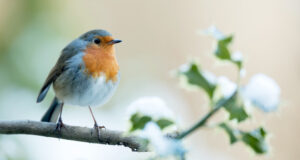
[(101, 59)]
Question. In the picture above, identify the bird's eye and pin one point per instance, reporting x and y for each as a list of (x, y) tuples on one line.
[(97, 41)]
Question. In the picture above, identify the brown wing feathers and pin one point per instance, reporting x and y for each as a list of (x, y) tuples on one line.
[(59, 67), (54, 73)]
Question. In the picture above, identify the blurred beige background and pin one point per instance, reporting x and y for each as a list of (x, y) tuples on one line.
[(158, 36)]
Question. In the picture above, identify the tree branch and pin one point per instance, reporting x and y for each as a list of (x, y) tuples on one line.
[(75, 133)]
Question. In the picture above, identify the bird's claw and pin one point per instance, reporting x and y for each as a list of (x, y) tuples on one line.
[(59, 125), (101, 127), (98, 128)]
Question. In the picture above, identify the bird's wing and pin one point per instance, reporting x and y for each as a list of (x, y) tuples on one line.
[(56, 71)]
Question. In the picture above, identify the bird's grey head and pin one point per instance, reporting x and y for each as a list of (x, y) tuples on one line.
[(90, 35), (96, 36), (93, 37)]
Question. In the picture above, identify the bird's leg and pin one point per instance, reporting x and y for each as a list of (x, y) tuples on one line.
[(96, 126), (60, 124)]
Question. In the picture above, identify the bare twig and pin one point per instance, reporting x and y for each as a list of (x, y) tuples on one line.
[(75, 133)]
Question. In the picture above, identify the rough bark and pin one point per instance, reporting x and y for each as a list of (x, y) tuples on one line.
[(75, 133)]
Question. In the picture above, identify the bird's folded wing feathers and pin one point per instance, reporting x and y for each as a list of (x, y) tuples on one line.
[(56, 71)]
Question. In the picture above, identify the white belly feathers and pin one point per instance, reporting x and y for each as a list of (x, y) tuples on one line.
[(75, 87)]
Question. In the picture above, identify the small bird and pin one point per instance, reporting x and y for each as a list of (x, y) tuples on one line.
[(86, 74)]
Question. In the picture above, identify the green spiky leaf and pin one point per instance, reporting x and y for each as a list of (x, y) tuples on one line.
[(195, 77), (256, 140), (163, 123), (231, 132), (138, 121), (222, 50), (236, 109)]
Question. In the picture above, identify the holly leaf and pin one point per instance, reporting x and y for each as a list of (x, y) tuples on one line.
[(256, 140), (163, 123), (231, 132), (138, 121), (197, 78), (222, 50), (236, 109)]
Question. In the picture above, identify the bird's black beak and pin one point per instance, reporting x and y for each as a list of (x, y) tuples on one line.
[(114, 41)]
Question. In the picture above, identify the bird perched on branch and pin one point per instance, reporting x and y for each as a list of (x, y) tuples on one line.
[(86, 74)]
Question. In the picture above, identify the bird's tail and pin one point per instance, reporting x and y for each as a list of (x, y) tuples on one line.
[(53, 112)]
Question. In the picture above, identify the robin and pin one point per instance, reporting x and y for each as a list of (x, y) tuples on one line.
[(86, 74)]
